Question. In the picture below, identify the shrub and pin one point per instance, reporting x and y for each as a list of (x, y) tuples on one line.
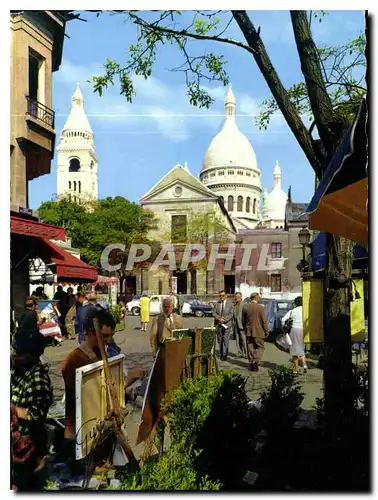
[(211, 417), (281, 401), (116, 312), (173, 471)]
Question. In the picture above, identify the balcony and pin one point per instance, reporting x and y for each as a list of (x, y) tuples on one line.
[(40, 112)]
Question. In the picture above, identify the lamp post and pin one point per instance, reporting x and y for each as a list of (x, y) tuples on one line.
[(304, 237)]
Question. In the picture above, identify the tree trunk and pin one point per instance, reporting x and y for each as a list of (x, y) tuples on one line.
[(337, 331), (328, 124), (279, 92)]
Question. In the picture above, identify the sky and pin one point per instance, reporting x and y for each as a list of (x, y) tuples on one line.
[(139, 143)]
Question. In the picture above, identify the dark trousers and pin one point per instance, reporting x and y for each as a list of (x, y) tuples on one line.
[(241, 341), (255, 349), (223, 337)]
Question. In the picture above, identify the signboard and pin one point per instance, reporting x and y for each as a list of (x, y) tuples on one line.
[(312, 311), (357, 312), (165, 374), (92, 400)]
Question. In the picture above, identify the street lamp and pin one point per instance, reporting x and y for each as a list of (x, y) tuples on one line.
[(304, 237)]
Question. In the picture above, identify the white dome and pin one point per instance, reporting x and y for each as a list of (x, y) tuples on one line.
[(77, 119), (230, 148), (274, 204)]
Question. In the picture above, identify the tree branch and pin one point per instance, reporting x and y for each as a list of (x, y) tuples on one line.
[(279, 92), (328, 122), (213, 38)]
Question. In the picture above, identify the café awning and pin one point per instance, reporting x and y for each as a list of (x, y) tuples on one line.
[(339, 205), (67, 267), (28, 227)]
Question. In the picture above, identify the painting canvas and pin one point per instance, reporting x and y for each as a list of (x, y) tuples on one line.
[(165, 375), (92, 400)]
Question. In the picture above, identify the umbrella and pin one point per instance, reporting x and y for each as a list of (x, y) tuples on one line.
[(339, 205)]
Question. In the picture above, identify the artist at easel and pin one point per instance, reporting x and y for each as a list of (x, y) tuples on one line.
[(89, 351)]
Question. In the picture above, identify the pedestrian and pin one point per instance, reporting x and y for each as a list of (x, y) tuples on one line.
[(297, 348), (144, 311), (61, 296), (31, 397), (71, 300), (239, 332), (256, 327), (180, 301), (29, 318), (223, 319), (163, 325), (88, 352), (39, 293), (81, 300)]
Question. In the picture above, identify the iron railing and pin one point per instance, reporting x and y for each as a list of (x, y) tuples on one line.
[(41, 112)]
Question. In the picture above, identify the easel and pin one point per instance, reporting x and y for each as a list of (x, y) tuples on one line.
[(113, 424), (195, 359)]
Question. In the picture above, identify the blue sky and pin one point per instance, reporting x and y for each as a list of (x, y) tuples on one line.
[(138, 143)]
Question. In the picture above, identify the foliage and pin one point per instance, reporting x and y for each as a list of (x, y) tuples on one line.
[(343, 69), (342, 66), (211, 417), (116, 312), (111, 220), (281, 401), (173, 471)]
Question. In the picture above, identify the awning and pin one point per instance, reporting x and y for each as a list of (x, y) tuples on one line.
[(67, 267), (27, 227), (318, 254), (339, 205)]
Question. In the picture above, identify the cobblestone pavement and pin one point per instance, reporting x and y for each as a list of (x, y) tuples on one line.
[(135, 344)]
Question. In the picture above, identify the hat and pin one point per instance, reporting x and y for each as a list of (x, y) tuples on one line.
[(29, 341)]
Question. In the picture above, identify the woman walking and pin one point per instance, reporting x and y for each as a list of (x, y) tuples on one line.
[(297, 348), (144, 311)]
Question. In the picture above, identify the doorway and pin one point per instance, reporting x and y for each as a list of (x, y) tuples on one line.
[(229, 283), (182, 281), (130, 285)]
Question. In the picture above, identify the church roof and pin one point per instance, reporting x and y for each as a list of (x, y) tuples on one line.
[(274, 204), (230, 147), (77, 119), (179, 172)]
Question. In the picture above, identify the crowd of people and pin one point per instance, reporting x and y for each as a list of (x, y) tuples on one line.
[(31, 388)]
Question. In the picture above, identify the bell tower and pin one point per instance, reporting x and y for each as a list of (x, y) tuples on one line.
[(76, 158)]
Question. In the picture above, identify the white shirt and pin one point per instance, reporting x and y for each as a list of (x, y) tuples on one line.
[(296, 315)]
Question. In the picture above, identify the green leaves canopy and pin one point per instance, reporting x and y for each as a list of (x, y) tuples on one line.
[(91, 229)]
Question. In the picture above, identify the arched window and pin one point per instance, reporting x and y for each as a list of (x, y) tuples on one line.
[(248, 204), (240, 203), (69, 185), (254, 205), (74, 165), (230, 204), (221, 199), (79, 186)]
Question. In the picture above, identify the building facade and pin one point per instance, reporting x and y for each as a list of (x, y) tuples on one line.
[(77, 162), (36, 51)]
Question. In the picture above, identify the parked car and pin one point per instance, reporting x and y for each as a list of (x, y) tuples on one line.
[(284, 306), (272, 314), (200, 309), (156, 305)]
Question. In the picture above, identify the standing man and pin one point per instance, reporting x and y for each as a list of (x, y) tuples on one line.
[(163, 325), (223, 319), (256, 326), (180, 300), (81, 300), (238, 326)]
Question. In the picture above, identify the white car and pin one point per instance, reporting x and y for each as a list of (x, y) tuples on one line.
[(156, 305)]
